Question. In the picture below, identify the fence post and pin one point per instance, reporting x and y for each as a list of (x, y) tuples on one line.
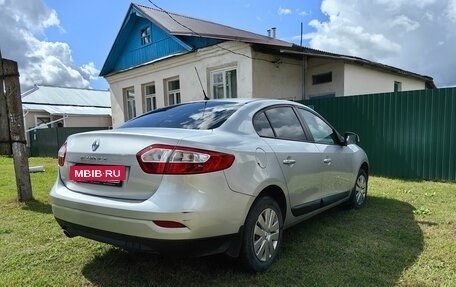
[(17, 133), (5, 143)]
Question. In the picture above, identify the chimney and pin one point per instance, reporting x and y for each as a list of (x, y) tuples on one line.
[(273, 32)]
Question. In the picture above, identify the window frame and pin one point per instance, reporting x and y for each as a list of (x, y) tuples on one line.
[(268, 121), (319, 79), (338, 140), (146, 36), (397, 86), (304, 127), (127, 100), (308, 135), (176, 94), (146, 96), (224, 83), (44, 123)]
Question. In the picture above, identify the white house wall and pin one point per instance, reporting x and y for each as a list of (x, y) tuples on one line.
[(88, 121), (362, 80), (282, 80), (255, 78), (29, 119), (205, 60), (71, 121), (316, 66)]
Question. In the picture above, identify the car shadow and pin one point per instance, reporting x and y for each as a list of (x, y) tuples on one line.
[(38, 206), (371, 246)]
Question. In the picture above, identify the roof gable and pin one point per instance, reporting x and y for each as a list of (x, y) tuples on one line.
[(171, 34), (128, 51)]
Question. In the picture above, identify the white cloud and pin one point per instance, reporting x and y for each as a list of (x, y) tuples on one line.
[(22, 23), (90, 71), (418, 36), (405, 23), (284, 11), (351, 39), (452, 10), (303, 13)]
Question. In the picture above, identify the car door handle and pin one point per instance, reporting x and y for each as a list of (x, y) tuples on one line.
[(289, 161), (327, 160)]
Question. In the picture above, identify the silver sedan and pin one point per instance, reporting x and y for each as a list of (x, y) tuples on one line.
[(219, 176)]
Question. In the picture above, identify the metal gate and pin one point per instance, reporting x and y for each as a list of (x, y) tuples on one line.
[(46, 142)]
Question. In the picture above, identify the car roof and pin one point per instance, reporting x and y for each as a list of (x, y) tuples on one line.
[(264, 101)]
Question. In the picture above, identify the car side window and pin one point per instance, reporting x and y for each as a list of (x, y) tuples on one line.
[(285, 123), (262, 126), (321, 131)]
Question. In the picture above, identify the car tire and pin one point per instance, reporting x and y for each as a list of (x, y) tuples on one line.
[(262, 235), (359, 192)]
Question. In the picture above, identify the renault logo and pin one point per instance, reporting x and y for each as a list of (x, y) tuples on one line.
[(95, 145)]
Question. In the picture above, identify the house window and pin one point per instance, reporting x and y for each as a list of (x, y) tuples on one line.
[(173, 95), (130, 104), (224, 83), (149, 99), (145, 36), (58, 122), (42, 121), (397, 86), (322, 78)]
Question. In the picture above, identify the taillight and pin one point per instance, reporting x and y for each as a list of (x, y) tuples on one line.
[(62, 154), (166, 159)]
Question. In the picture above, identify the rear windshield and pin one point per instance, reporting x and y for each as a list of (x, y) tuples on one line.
[(199, 115)]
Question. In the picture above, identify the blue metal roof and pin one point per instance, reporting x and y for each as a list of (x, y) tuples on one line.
[(171, 35)]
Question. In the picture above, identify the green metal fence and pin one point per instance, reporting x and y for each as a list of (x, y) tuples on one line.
[(46, 142), (407, 134)]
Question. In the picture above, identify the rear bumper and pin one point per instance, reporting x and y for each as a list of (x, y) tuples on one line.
[(210, 211), (192, 247)]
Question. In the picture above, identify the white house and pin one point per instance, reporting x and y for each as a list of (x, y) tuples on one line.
[(47, 106), (160, 58)]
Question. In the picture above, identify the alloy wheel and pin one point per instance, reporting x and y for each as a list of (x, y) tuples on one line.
[(361, 184), (266, 234)]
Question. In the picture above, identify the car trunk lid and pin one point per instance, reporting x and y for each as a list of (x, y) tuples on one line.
[(118, 148)]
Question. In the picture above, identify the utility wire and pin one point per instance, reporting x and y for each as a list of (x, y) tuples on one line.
[(199, 35)]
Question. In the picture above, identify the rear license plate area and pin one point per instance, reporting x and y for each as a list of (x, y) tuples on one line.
[(111, 175)]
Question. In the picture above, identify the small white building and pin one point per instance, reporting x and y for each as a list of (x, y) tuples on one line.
[(47, 106), (161, 58)]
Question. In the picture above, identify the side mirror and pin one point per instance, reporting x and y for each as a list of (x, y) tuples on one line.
[(351, 138)]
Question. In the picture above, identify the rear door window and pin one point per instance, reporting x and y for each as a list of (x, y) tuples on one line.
[(280, 122), (262, 126)]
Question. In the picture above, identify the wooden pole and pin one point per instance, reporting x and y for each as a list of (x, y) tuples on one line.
[(5, 143), (17, 133)]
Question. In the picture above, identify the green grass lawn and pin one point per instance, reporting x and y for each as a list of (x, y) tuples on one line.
[(405, 236)]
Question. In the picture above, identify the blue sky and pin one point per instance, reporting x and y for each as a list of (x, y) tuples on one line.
[(91, 26), (65, 43)]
